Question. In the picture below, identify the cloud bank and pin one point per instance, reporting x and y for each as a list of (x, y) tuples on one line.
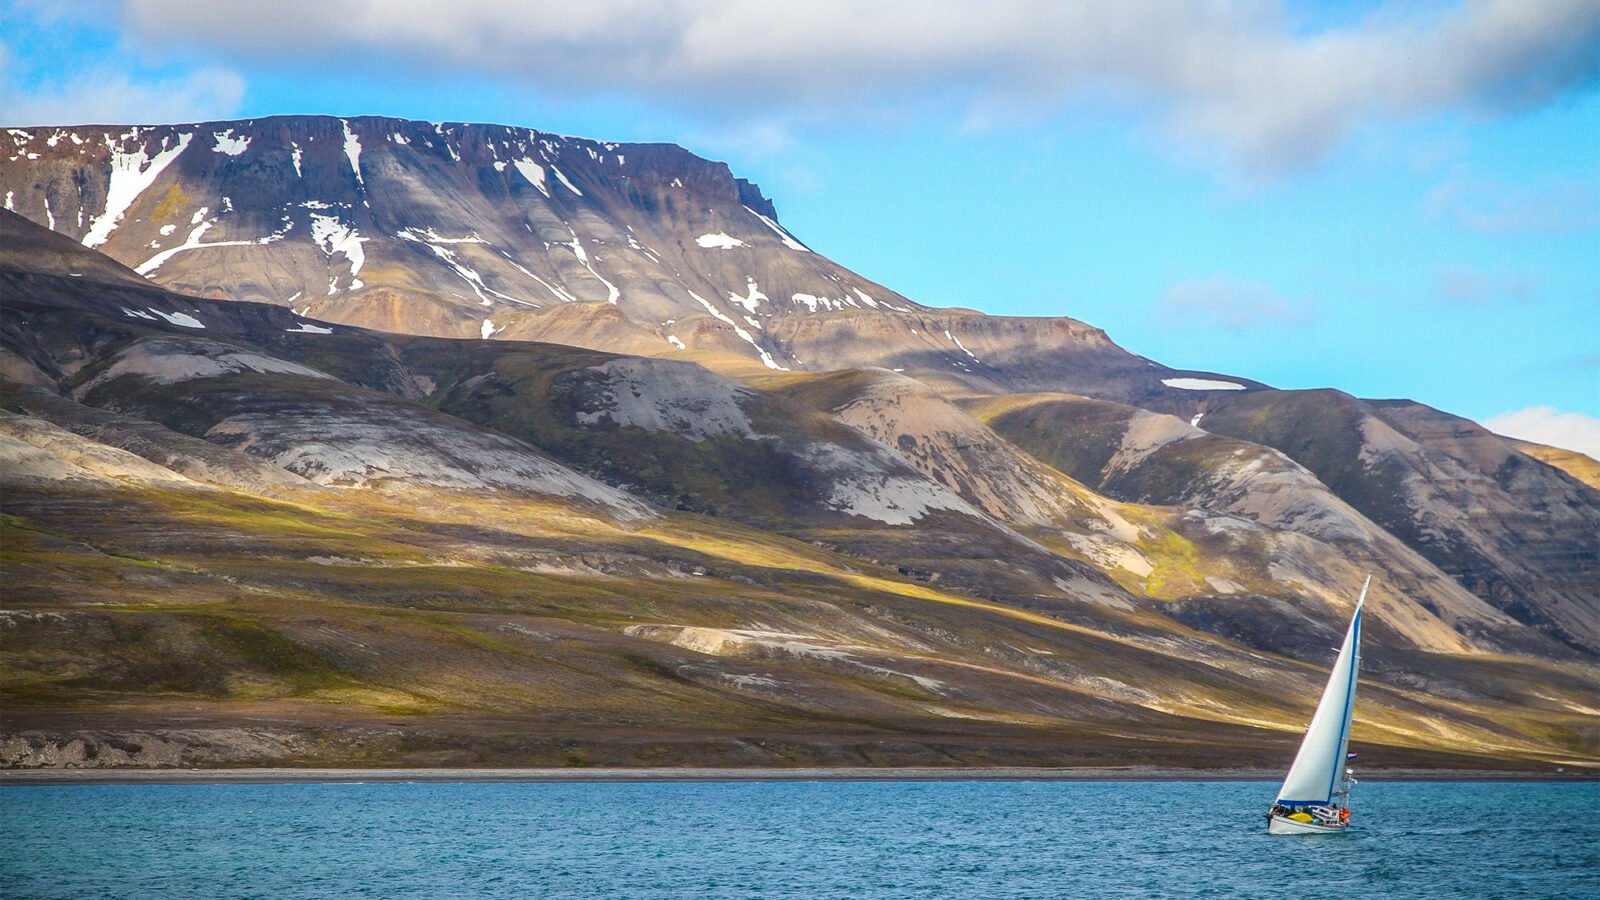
[(1547, 425), (105, 95), (1243, 81)]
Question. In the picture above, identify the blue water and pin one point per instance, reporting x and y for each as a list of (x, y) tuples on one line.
[(828, 839)]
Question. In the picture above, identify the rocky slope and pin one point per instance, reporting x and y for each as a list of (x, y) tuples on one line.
[(1523, 535)]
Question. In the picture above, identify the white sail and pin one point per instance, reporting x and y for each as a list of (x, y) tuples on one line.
[(1314, 777)]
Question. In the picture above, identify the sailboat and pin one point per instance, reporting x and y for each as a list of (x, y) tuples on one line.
[(1315, 797)]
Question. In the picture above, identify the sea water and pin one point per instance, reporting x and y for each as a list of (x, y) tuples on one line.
[(789, 839)]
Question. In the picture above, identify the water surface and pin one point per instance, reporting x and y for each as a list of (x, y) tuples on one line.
[(805, 839)]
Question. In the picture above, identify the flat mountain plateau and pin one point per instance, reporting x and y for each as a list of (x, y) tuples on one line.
[(365, 442)]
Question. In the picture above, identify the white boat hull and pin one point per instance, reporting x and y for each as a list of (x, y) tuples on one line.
[(1282, 825)]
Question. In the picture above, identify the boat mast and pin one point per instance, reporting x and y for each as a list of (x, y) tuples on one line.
[(1313, 778)]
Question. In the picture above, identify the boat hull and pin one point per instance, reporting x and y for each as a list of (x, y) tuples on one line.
[(1282, 825)]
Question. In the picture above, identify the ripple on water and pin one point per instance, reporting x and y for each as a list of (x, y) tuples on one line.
[(846, 839)]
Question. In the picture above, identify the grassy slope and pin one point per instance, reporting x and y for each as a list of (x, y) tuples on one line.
[(1580, 466), (496, 630)]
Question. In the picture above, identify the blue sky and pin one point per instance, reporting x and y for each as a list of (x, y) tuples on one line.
[(1399, 200)]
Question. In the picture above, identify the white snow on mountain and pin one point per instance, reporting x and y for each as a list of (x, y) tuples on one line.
[(131, 173), (718, 241), (352, 151), (228, 144), (533, 172), (563, 179), (1201, 384), (788, 241)]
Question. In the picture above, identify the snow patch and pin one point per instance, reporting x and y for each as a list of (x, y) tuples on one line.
[(788, 241), (1201, 384), (228, 144), (428, 235), (334, 236), (308, 328), (560, 294), (633, 243), (352, 151), (612, 293), (193, 242), (466, 272), (131, 174), (958, 343), (534, 173), (752, 299), (563, 179), (294, 157), (182, 319), (718, 241), (747, 337)]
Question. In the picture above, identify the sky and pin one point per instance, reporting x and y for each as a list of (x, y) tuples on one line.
[(1397, 199)]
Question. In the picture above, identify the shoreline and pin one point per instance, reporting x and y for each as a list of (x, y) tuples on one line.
[(22, 777)]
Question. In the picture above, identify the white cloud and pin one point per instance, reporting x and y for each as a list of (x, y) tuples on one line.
[(1548, 425), (109, 96), (1225, 302), (1245, 81), (1556, 206)]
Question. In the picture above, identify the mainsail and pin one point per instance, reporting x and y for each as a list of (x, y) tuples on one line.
[(1314, 777)]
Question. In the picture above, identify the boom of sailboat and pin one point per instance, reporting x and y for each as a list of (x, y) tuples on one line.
[(1315, 797)]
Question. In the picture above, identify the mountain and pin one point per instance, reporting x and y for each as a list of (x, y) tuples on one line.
[(1523, 535), (488, 231), (371, 528), (1330, 481), (462, 230)]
